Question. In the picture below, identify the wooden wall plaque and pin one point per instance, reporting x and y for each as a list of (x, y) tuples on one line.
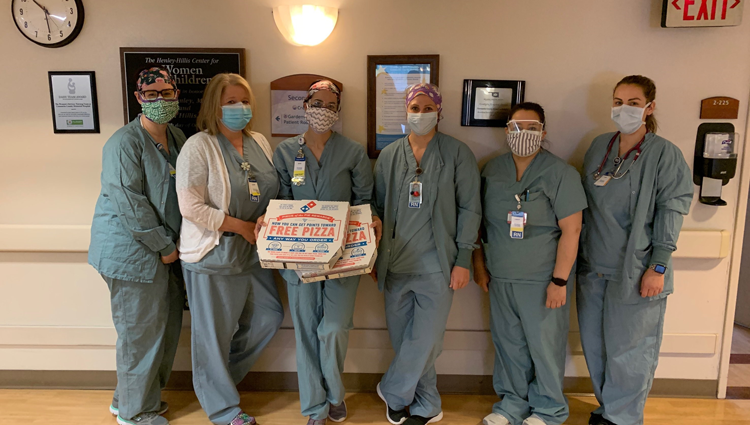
[(715, 108)]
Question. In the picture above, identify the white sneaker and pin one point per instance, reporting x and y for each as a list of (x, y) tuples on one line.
[(534, 420), (495, 419), (437, 418)]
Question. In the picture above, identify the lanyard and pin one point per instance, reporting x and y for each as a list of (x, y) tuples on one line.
[(620, 160)]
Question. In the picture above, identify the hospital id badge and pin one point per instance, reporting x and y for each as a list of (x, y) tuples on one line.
[(415, 194), (252, 186), (172, 171), (517, 220), (603, 180), (298, 178)]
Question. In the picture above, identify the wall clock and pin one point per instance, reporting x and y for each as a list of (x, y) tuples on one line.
[(48, 23)]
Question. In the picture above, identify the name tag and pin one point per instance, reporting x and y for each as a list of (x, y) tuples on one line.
[(254, 190), (603, 180), (415, 194), (298, 177), (517, 220)]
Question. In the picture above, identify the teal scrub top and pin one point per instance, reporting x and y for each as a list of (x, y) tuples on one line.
[(343, 174), (137, 218), (414, 249), (554, 192), (234, 254), (453, 195), (655, 195)]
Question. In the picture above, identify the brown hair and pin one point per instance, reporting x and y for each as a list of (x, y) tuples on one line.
[(208, 117), (649, 90), (528, 106)]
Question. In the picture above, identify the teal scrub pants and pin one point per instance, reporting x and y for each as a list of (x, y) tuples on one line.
[(621, 344), (233, 319), (530, 347), (148, 320), (416, 309), (322, 313)]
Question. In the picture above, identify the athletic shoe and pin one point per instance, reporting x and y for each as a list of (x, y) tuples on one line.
[(421, 420), (312, 421), (148, 418), (114, 408), (534, 420), (495, 419), (396, 417), (337, 413), (243, 418)]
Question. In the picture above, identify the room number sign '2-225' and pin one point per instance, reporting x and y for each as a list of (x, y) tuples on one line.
[(48, 23)]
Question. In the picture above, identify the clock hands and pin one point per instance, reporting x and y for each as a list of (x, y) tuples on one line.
[(46, 14)]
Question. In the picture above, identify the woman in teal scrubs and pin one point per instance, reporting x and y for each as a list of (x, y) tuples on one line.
[(532, 204), (638, 187), (225, 180), (133, 246), (333, 168), (427, 192)]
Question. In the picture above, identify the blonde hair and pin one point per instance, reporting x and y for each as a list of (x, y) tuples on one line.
[(209, 116)]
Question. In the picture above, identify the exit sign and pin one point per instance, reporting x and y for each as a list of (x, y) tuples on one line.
[(701, 13)]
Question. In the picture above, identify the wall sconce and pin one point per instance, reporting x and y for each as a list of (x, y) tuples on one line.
[(305, 25)]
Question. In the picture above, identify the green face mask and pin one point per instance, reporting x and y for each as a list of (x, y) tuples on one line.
[(161, 111)]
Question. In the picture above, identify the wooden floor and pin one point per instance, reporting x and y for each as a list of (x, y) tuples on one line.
[(61, 407)]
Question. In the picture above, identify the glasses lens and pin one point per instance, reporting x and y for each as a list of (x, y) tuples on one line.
[(525, 125), (150, 94), (168, 94)]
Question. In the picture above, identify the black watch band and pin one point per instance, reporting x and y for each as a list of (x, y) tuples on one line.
[(559, 282)]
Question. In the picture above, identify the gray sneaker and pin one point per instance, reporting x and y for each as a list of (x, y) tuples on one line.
[(149, 418), (337, 413), (114, 408), (312, 421)]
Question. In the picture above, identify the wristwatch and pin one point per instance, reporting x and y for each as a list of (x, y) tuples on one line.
[(559, 282), (658, 268)]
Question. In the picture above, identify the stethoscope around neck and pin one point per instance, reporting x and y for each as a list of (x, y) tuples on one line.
[(620, 160)]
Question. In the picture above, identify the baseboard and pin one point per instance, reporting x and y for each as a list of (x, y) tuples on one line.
[(354, 382)]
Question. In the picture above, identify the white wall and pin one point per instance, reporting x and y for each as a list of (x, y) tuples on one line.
[(54, 311)]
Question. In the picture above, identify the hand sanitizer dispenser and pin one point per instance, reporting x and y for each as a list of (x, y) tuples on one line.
[(715, 160)]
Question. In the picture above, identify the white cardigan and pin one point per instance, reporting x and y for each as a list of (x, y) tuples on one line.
[(203, 191)]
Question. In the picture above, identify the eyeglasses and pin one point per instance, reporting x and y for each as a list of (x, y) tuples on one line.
[(530, 125), (332, 106), (152, 95)]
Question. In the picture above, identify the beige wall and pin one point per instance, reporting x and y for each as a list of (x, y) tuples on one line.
[(54, 311)]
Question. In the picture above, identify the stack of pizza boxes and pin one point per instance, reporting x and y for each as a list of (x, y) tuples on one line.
[(320, 240)]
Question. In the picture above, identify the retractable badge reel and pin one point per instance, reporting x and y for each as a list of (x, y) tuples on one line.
[(252, 183), (298, 177), (517, 220), (415, 191)]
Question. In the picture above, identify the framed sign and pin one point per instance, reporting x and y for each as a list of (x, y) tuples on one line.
[(192, 69), (74, 105), (701, 13), (487, 103), (388, 78), (287, 96)]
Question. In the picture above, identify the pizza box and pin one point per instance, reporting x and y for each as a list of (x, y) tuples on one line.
[(359, 252), (303, 234)]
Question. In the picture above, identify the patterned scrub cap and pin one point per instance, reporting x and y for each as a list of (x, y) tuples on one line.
[(154, 75), (324, 85), (425, 89)]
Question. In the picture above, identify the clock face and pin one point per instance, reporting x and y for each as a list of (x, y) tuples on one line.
[(49, 23)]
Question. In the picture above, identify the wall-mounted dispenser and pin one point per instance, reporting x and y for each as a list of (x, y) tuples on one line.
[(715, 160)]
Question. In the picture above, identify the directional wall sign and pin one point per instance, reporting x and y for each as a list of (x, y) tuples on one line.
[(701, 13)]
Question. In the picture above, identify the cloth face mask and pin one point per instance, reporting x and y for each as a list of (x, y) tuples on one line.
[(161, 111), (628, 119), (320, 119), (524, 143), (235, 117), (422, 124)]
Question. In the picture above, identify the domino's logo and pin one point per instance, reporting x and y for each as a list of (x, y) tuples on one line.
[(309, 206)]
